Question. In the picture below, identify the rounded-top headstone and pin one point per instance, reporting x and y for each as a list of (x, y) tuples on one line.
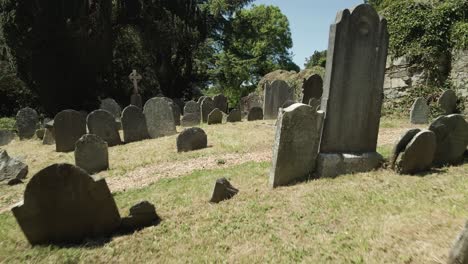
[(448, 102), (215, 117), (191, 107), (312, 88), (192, 139), (112, 107), (134, 124), (221, 102), (190, 119), (159, 118), (69, 126), (26, 122), (234, 116), (256, 113), (102, 123), (419, 153), (91, 154), (401, 144), (275, 95), (419, 112), (201, 98), (206, 107)]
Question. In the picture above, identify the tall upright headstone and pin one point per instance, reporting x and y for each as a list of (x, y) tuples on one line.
[(206, 106), (69, 126), (419, 112), (26, 122), (312, 88), (102, 123), (134, 124), (275, 95), (353, 91), (221, 102), (159, 118), (448, 102)]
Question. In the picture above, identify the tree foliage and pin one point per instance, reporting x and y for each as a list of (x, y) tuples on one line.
[(319, 58)]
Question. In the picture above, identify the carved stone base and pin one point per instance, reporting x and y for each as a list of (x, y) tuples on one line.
[(335, 164)]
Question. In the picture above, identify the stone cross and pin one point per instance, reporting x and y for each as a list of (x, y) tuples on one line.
[(135, 77)]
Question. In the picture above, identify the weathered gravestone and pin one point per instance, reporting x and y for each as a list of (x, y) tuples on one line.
[(102, 124), (141, 215), (190, 119), (459, 251), (63, 204), (223, 190), (69, 126), (312, 88), (448, 102), (215, 117), (250, 101), (91, 154), (12, 170), (111, 106), (200, 99), (452, 138), (401, 144), (418, 154), (175, 110), (191, 107), (296, 144), (49, 135), (275, 95), (353, 92), (221, 102), (134, 124), (419, 112), (26, 122), (159, 118), (256, 113), (234, 116), (6, 136), (206, 107), (191, 139)]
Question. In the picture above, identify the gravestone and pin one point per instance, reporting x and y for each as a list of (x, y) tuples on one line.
[(192, 139), (111, 106), (91, 154), (63, 204), (448, 102), (190, 119), (200, 99), (288, 103), (40, 133), (353, 92), (26, 122), (459, 252), (419, 112), (134, 124), (234, 116), (159, 118), (221, 102), (418, 154), (452, 138), (223, 190), (296, 144), (102, 124), (215, 117), (180, 103), (11, 170), (191, 107), (49, 137), (6, 136), (141, 215), (206, 107), (135, 99), (312, 88), (69, 126), (275, 95), (250, 101), (256, 113), (401, 144), (177, 113), (315, 103)]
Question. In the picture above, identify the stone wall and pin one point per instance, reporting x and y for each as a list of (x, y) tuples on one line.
[(400, 75), (459, 72)]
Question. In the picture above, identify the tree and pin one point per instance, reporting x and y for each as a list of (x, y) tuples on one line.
[(319, 58)]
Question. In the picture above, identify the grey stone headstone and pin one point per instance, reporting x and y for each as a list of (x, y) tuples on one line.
[(452, 139), (69, 126), (296, 144), (459, 252), (136, 100), (234, 116), (419, 112), (312, 88), (200, 99), (134, 124), (6, 136), (191, 139), (27, 120), (91, 154), (190, 119), (215, 117), (206, 107), (112, 107), (448, 102), (250, 101), (353, 88), (159, 118), (418, 155), (400, 146), (102, 124), (275, 95), (191, 107), (11, 170), (221, 102), (49, 136), (256, 113), (63, 204), (223, 190)]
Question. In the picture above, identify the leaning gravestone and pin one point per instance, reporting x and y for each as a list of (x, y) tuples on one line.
[(452, 139), (206, 107), (192, 139), (234, 116), (312, 88), (256, 113), (298, 136), (401, 144), (223, 190), (91, 154), (419, 112), (459, 252), (275, 95), (191, 107), (134, 124), (11, 170), (448, 102), (221, 102), (102, 123), (352, 97), (111, 106), (190, 119), (418, 154), (215, 117), (159, 118), (6, 136), (26, 122), (69, 126), (63, 204)]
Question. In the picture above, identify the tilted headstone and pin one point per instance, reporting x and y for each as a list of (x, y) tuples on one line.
[(191, 139), (256, 113), (419, 112), (215, 117), (223, 190), (134, 124), (448, 102), (63, 204), (11, 170), (353, 91), (191, 107), (275, 95), (401, 144), (112, 107), (418, 154), (312, 88), (221, 102), (190, 119), (459, 252), (91, 154), (452, 139), (234, 116), (69, 126), (296, 144), (159, 118), (6, 136), (102, 124), (206, 106), (26, 122)]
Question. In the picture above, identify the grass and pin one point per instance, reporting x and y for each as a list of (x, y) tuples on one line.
[(376, 217)]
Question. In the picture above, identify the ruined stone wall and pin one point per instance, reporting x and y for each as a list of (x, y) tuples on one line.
[(459, 72)]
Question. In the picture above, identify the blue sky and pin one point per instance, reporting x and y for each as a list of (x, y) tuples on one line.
[(310, 22)]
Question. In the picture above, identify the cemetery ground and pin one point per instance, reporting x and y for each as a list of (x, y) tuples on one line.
[(376, 217)]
